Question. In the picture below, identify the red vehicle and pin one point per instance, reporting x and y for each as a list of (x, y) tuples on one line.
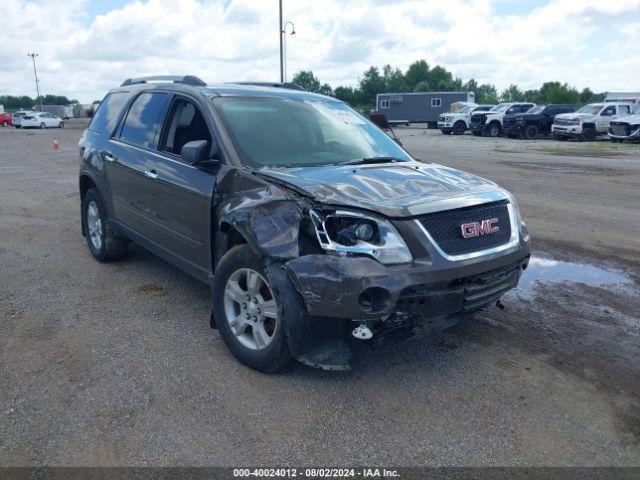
[(5, 119)]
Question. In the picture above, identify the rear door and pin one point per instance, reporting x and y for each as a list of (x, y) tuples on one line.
[(126, 155), (179, 195)]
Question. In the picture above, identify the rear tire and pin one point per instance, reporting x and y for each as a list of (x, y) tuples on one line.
[(5, 123), (248, 312), (43, 126), (103, 243), (459, 128), (531, 132), (61, 125)]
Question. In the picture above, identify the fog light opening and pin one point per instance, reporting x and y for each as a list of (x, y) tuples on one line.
[(374, 299)]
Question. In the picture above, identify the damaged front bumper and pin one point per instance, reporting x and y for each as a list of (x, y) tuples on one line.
[(361, 288)]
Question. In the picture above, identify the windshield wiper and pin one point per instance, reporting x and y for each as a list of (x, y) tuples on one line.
[(361, 161)]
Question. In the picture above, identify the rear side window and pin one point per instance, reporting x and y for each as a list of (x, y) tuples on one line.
[(105, 118), (144, 118)]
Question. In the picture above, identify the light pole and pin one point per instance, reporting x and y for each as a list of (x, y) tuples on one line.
[(35, 74), (284, 41), (280, 35)]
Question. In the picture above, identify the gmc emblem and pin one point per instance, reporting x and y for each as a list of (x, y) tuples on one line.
[(474, 229)]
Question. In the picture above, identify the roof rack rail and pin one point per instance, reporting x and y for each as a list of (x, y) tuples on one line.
[(288, 85), (186, 79)]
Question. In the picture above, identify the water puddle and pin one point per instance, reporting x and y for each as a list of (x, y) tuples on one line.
[(548, 271)]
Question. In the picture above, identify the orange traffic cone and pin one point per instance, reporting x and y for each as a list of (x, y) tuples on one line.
[(56, 145)]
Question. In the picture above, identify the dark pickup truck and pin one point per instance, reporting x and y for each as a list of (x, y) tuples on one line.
[(534, 122), (312, 227)]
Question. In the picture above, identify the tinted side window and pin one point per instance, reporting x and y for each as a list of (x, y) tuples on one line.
[(142, 122), (106, 116)]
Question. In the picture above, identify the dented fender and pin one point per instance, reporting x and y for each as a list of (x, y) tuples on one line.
[(267, 216)]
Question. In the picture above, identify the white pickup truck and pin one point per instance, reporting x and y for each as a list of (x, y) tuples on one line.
[(490, 122), (458, 122), (626, 127), (589, 121)]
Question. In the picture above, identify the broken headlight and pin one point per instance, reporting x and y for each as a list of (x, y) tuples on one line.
[(357, 233)]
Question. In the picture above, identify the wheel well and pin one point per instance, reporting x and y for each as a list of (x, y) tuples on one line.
[(588, 125), (85, 184), (226, 237)]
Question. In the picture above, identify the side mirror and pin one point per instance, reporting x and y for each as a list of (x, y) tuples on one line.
[(197, 151)]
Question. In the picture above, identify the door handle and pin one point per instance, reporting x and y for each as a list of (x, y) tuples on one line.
[(151, 174), (108, 157)]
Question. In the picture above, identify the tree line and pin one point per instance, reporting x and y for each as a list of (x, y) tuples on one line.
[(421, 77), (24, 102)]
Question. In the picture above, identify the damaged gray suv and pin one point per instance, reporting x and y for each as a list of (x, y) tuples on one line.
[(312, 226)]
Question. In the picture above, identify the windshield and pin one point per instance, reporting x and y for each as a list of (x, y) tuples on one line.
[(536, 109), (500, 107), (465, 109), (293, 133), (592, 108)]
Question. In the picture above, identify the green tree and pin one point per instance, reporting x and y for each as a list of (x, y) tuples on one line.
[(307, 80), (416, 73), (347, 94), (371, 84), (486, 93), (512, 94), (440, 79), (393, 79)]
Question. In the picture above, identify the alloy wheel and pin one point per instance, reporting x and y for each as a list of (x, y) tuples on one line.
[(94, 224), (250, 309)]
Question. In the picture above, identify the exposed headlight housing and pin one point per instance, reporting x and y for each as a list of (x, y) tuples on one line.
[(348, 232)]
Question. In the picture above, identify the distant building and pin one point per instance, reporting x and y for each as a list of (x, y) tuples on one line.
[(628, 97), (419, 107)]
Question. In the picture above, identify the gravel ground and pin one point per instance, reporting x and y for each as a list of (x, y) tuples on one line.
[(115, 364)]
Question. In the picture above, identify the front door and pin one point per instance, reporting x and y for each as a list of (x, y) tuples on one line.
[(178, 197)]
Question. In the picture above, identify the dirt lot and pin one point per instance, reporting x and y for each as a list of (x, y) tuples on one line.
[(116, 364)]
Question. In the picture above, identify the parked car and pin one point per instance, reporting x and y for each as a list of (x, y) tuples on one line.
[(458, 122), (490, 123), (588, 122), (41, 120), (309, 223), (536, 121), (61, 111), (626, 127), (18, 116), (6, 120)]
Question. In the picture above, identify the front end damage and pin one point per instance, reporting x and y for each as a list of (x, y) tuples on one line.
[(331, 283)]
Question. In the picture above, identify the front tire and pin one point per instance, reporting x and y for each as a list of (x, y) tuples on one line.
[(5, 124), (103, 243), (494, 129), (459, 128), (531, 132), (248, 312), (588, 134), (61, 125), (43, 126)]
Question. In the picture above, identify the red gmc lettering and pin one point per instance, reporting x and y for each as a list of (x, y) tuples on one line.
[(474, 229)]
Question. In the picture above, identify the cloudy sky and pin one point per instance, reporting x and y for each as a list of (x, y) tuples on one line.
[(86, 47)]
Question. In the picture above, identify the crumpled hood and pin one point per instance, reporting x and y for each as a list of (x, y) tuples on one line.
[(392, 189), (581, 116), (630, 119)]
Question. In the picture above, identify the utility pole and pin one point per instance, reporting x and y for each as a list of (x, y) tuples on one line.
[(280, 34), (35, 74)]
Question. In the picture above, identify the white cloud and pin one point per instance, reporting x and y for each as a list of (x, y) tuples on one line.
[(582, 42)]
